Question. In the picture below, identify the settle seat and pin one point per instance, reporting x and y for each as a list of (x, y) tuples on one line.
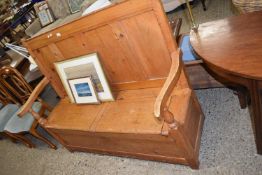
[(155, 115), (130, 113)]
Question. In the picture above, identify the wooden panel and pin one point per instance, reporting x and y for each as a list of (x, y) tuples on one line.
[(163, 22), (88, 117), (92, 21), (108, 142), (115, 58), (191, 125), (130, 116), (139, 85), (71, 47), (179, 104), (120, 42), (44, 57), (183, 81), (123, 49), (133, 44), (147, 42), (72, 116)]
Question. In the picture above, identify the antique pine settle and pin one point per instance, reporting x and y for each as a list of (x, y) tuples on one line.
[(136, 49)]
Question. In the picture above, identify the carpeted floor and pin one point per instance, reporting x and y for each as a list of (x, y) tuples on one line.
[(227, 143), (216, 9), (227, 147)]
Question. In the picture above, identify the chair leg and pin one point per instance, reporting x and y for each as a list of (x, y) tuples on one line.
[(36, 134), (9, 136), (194, 163), (2, 135), (26, 141), (21, 138), (204, 4), (13, 139)]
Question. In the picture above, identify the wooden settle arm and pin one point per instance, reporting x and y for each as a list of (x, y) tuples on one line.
[(160, 108), (27, 107)]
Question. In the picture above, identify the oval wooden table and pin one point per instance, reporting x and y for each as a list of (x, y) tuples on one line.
[(232, 48)]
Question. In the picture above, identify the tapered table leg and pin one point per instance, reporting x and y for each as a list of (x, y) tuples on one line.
[(251, 95), (256, 112)]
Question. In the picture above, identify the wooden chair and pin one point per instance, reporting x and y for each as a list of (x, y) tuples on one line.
[(199, 77), (18, 91), (156, 115), (8, 109)]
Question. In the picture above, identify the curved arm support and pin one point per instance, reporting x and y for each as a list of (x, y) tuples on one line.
[(160, 107), (27, 107)]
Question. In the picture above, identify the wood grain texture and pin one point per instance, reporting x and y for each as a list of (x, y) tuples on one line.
[(146, 146), (127, 126), (33, 97), (231, 48), (160, 104), (201, 78), (232, 44), (134, 42), (117, 40)]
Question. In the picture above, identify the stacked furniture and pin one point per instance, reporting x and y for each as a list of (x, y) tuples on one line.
[(14, 92), (155, 115)]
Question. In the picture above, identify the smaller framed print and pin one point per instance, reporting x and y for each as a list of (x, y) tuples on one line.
[(84, 66), (83, 90), (44, 18)]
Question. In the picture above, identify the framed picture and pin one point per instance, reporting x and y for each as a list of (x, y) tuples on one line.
[(44, 17), (83, 90), (84, 66), (44, 14), (75, 5)]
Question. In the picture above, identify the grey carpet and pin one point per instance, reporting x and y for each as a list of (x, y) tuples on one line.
[(227, 143), (216, 9), (227, 147)]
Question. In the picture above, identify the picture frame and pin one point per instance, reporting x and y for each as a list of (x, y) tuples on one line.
[(44, 14), (84, 66), (75, 5), (83, 90), (45, 17)]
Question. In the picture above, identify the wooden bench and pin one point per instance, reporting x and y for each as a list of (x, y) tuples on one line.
[(156, 115)]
